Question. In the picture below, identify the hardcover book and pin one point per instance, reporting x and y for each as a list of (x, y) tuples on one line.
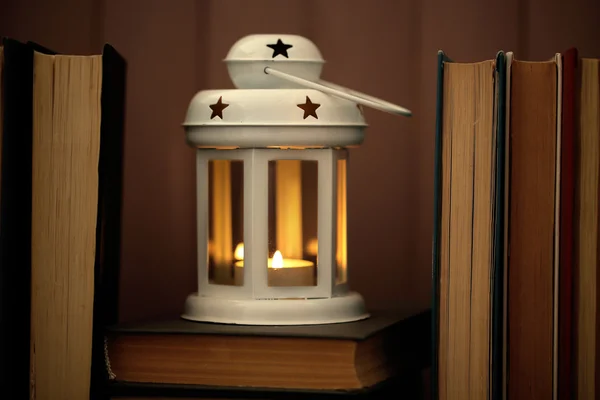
[(468, 243)]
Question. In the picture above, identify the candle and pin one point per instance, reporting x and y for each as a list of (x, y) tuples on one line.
[(281, 271), (290, 272)]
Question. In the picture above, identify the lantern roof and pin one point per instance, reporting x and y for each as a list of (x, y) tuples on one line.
[(277, 107), (278, 81), (232, 118)]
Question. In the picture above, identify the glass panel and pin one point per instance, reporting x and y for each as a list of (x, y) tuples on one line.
[(341, 246), (226, 221), (292, 223)]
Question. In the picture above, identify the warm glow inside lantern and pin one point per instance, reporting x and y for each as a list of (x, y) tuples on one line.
[(291, 227), (271, 166)]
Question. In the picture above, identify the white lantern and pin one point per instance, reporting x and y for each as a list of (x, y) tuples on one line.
[(271, 164)]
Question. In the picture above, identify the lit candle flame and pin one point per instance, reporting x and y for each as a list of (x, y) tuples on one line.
[(277, 260), (238, 253)]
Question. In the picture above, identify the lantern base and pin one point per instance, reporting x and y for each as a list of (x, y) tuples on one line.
[(346, 308)]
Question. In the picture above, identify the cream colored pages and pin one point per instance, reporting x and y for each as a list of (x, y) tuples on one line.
[(66, 143), (466, 226)]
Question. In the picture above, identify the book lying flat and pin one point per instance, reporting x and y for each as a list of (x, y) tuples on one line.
[(347, 357)]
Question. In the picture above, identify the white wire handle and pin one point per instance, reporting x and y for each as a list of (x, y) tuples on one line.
[(344, 93)]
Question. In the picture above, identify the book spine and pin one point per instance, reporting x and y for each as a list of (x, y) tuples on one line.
[(15, 217), (498, 273), (108, 226), (565, 374), (436, 228)]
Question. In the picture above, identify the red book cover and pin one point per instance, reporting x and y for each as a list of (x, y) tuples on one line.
[(565, 306)]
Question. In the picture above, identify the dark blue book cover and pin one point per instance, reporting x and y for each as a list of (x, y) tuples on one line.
[(441, 59), (499, 217)]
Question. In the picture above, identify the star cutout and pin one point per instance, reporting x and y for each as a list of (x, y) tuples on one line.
[(310, 108), (217, 109), (280, 48)]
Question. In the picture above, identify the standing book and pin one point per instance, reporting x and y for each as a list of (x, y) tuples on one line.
[(61, 177), (533, 228), (78, 114), (468, 239)]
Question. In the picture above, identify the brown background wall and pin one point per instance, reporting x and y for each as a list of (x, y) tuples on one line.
[(386, 48)]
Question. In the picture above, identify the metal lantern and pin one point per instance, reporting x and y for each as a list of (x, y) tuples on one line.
[(271, 164)]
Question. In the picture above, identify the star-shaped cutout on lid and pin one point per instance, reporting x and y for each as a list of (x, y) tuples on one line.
[(310, 108), (217, 108), (280, 48)]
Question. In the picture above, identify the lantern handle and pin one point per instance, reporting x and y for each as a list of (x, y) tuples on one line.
[(343, 92)]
